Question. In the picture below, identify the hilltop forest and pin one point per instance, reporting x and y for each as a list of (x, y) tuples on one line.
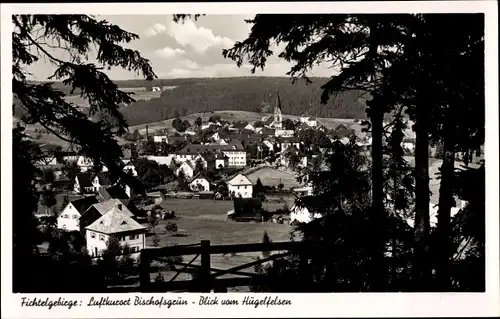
[(253, 94)]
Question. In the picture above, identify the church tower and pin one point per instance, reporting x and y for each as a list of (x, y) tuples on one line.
[(277, 120)]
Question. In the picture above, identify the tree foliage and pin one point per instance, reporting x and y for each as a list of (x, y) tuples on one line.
[(77, 37)]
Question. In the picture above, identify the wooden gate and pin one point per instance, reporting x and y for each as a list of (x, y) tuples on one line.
[(208, 277)]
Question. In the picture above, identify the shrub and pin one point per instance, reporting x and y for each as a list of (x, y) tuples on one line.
[(171, 227)]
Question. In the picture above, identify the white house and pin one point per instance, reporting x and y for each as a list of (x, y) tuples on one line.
[(69, 218), (199, 183), (116, 222), (221, 161), (236, 158), (304, 213), (101, 180), (249, 127), (160, 138), (287, 142), (156, 89), (309, 120), (240, 186), (187, 167), (283, 133), (83, 184)]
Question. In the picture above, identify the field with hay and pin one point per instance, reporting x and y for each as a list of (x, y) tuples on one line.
[(273, 177)]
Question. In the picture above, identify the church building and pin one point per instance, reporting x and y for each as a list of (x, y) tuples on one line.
[(274, 121)]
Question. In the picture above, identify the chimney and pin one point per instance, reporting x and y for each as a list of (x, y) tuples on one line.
[(147, 133)]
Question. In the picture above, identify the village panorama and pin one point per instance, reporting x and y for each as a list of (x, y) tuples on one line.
[(208, 197)]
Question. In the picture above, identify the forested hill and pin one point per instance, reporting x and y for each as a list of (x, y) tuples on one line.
[(244, 94), (253, 94)]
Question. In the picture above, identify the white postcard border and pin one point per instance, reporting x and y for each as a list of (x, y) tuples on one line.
[(303, 305)]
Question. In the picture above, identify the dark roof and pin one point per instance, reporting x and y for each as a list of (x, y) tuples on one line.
[(111, 192), (84, 179), (84, 203), (240, 125), (220, 156), (343, 133), (292, 139), (340, 127), (104, 178)]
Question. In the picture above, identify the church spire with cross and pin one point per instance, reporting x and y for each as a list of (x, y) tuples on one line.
[(277, 111)]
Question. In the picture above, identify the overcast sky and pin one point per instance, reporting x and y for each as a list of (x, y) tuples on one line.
[(192, 49)]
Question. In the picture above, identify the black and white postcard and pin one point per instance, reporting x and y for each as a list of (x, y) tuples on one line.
[(250, 159)]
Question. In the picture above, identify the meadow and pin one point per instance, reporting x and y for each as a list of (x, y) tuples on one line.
[(199, 219)]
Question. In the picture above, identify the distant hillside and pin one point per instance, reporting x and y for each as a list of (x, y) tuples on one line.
[(251, 94)]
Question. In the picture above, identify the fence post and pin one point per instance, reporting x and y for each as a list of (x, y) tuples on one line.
[(144, 275), (205, 264), (303, 266)]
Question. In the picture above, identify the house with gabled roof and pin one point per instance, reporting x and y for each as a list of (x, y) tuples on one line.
[(89, 183), (117, 221), (113, 192), (200, 183), (95, 211), (240, 186), (187, 168), (102, 179), (69, 218), (83, 183), (221, 160)]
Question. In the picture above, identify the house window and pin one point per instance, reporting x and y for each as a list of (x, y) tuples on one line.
[(101, 237), (134, 237), (75, 216), (92, 235), (66, 216)]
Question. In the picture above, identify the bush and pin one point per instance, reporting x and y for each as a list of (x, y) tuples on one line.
[(171, 227)]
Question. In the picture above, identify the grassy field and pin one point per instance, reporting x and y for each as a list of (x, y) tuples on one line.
[(241, 116), (272, 177), (206, 220)]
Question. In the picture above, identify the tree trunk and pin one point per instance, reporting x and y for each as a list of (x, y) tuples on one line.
[(379, 276), (443, 252), (421, 264)]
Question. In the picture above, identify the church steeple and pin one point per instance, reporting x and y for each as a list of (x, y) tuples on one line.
[(277, 112), (277, 107)]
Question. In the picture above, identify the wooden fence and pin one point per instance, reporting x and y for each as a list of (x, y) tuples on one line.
[(209, 278)]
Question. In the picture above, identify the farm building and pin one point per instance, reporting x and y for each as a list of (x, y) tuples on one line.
[(199, 183), (240, 186), (117, 222)]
